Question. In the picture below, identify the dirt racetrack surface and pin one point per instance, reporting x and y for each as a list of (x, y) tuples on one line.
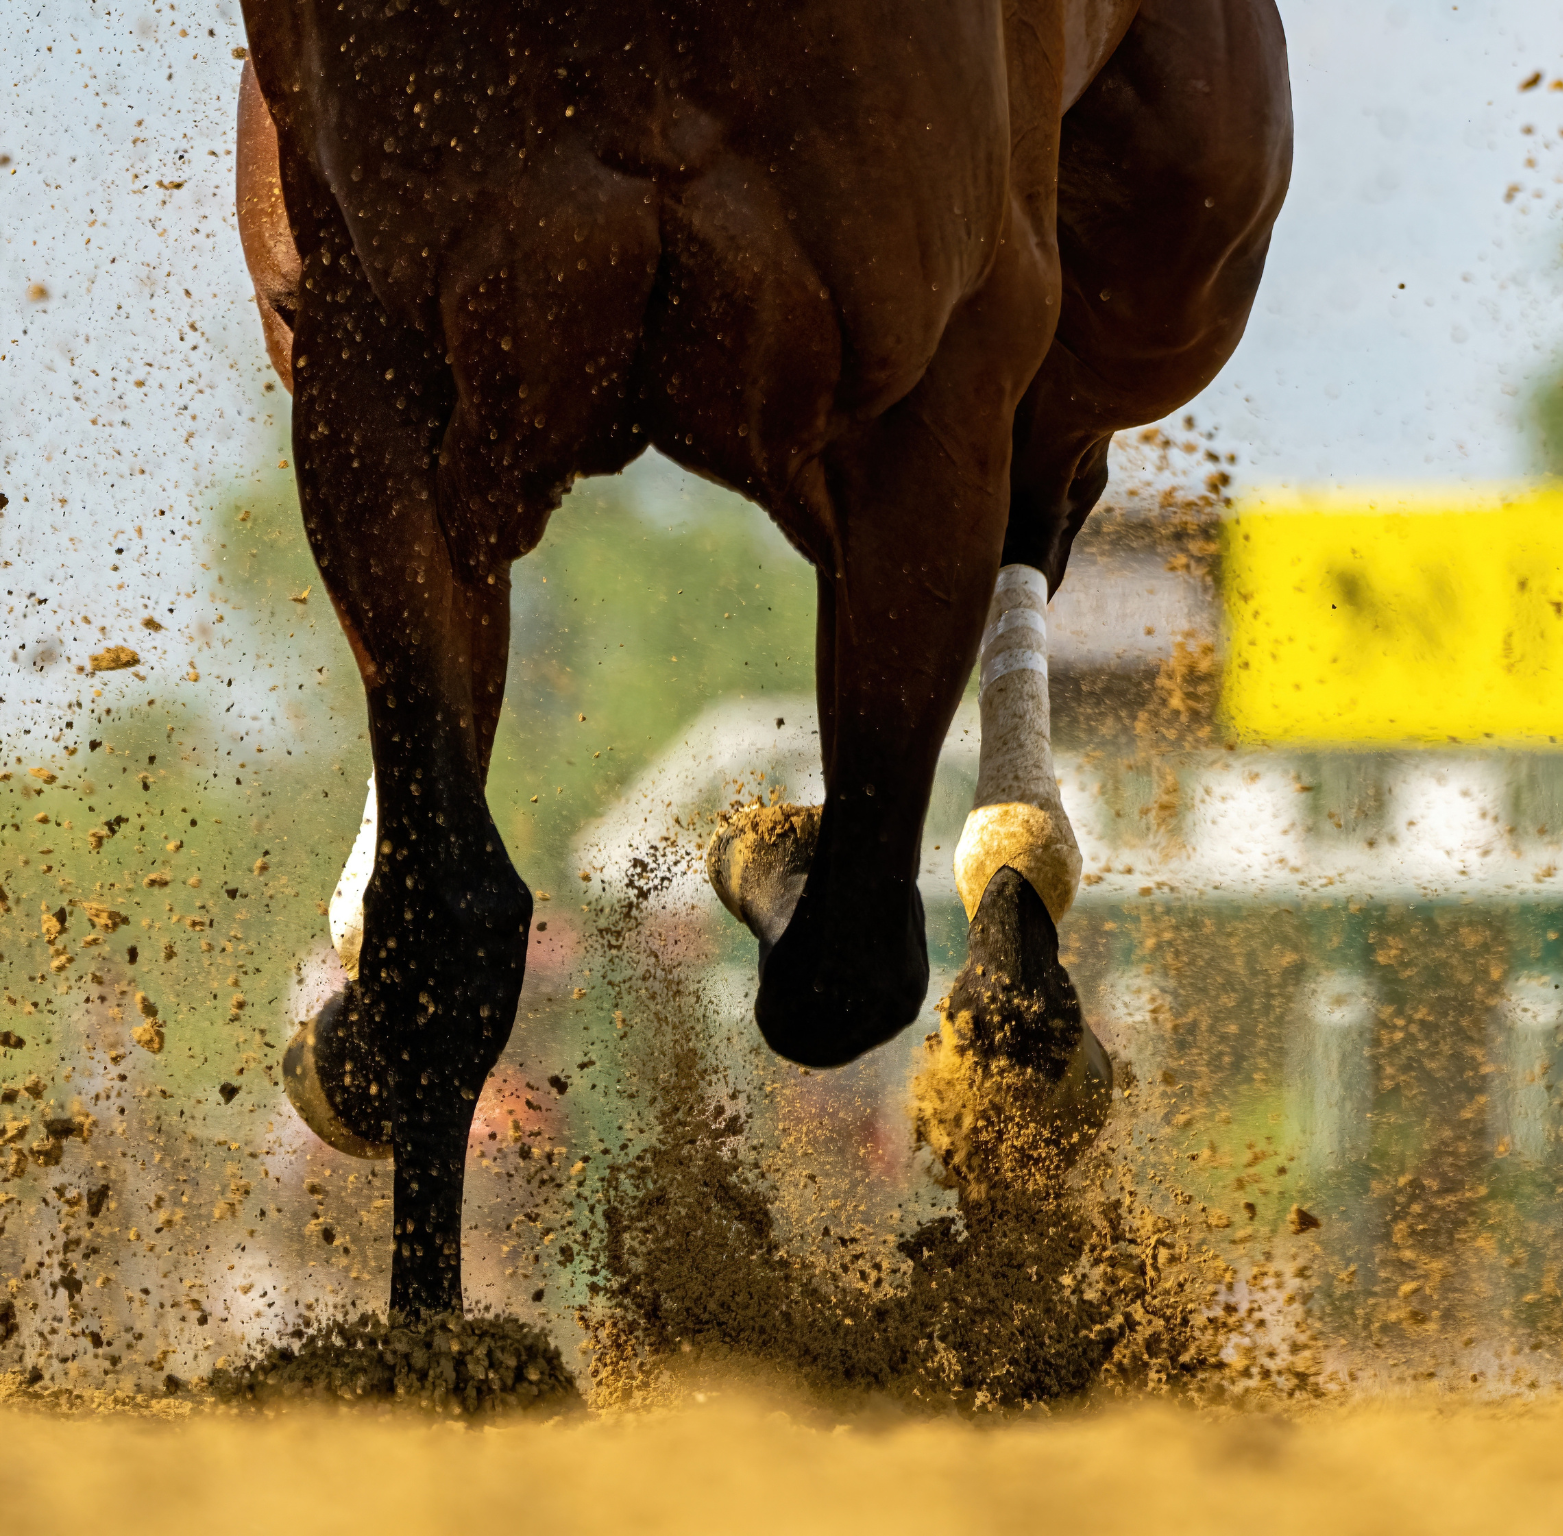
[(742, 1463)]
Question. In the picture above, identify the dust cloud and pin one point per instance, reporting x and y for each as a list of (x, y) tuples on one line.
[(766, 1464)]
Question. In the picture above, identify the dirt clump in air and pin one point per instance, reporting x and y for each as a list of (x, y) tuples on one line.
[(115, 658), (1019, 1300), (1185, 698), (764, 824), (447, 1363)]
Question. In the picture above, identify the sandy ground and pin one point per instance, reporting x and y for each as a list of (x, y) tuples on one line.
[(741, 1464)]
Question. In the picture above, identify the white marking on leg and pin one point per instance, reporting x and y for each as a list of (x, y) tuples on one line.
[(1017, 815), (347, 901)]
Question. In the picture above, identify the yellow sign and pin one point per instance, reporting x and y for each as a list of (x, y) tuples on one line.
[(1407, 616)]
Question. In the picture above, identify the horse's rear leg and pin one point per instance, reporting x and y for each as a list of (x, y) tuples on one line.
[(333, 1065), (446, 915), (918, 503), (1013, 1014), (1166, 201), (848, 969)]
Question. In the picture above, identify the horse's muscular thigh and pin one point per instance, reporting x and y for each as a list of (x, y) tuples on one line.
[(596, 313), (1173, 167), (743, 351), (543, 307)]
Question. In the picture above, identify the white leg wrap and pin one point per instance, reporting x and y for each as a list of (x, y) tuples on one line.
[(1017, 815), (347, 901)]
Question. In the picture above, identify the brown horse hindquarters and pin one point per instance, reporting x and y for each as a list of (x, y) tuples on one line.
[(475, 326), (542, 305), (686, 318)]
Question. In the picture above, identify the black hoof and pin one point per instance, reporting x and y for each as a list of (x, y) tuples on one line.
[(758, 863), (333, 1079), (826, 999), (1016, 1071)]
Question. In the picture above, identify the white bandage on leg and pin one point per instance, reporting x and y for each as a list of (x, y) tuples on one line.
[(347, 901), (1017, 815)]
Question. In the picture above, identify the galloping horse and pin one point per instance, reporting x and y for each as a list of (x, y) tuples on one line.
[(896, 270)]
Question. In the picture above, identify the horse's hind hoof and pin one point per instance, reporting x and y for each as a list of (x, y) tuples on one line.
[(1018, 1086), (334, 1095), (758, 862), (832, 993), (1023, 1005)]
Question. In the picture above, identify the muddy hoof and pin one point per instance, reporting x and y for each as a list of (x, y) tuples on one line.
[(1017, 1086), (758, 862), (329, 1075)]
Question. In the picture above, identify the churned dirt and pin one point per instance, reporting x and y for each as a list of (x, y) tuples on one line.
[(716, 1228), (806, 1341), (723, 1235), (448, 1363)]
